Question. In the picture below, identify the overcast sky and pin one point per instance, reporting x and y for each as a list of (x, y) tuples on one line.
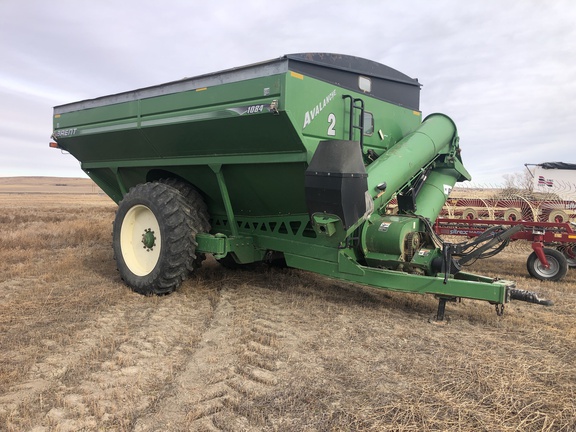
[(504, 70)]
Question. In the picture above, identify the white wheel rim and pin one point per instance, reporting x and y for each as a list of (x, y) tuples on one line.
[(140, 240), (547, 272)]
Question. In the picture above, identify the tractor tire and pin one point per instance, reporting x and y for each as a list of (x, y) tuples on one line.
[(557, 262), (194, 200), (154, 239), (199, 211)]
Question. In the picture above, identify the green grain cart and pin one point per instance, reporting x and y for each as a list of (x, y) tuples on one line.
[(293, 160)]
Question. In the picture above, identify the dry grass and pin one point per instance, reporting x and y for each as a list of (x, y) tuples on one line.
[(269, 350)]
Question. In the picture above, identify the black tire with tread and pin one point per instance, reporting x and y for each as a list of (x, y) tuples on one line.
[(198, 210), (194, 199), (177, 234)]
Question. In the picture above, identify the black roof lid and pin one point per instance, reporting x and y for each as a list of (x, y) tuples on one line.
[(387, 84), (354, 64)]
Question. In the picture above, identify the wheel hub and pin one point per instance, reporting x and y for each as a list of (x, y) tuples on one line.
[(148, 239), (551, 270)]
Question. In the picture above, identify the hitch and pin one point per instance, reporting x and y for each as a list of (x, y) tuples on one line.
[(527, 296), (511, 294)]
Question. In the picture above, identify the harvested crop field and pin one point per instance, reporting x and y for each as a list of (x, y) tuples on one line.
[(267, 350)]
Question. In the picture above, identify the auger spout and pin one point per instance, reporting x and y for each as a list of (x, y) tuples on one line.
[(436, 136)]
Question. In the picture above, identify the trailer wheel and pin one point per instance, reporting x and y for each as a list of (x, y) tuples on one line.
[(558, 216), (194, 200), (154, 239), (470, 213), (569, 252), (512, 214), (199, 211), (556, 260)]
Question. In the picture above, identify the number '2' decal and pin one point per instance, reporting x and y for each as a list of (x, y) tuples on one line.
[(332, 124)]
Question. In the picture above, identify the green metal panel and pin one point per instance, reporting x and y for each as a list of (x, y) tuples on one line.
[(229, 124), (319, 112), (225, 120)]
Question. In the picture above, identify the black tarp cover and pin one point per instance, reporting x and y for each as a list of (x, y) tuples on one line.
[(558, 165)]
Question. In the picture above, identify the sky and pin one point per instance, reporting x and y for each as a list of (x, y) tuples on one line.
[(504, 71)]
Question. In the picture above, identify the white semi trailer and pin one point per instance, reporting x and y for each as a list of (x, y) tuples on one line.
[(556, 177)]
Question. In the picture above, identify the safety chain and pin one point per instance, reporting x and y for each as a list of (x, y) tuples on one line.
[(499, 309)]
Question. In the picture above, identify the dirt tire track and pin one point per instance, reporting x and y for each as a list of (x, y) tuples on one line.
[(199, 390), (55, 366), (236, 361), (103, 379)]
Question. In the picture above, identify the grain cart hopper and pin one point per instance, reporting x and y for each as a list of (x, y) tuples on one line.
[(293, 159)]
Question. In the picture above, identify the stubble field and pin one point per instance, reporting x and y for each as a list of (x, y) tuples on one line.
[(268, 350)]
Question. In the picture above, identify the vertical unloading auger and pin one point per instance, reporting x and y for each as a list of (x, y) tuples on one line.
[(423, 168), (397, 251), (420, 171)]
